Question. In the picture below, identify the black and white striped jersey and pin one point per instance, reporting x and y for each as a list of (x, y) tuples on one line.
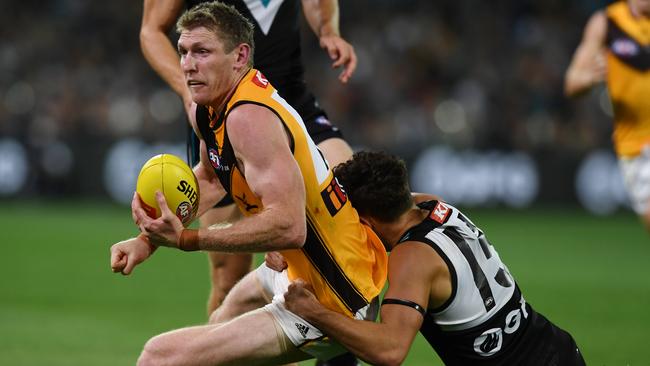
[(486, 313)]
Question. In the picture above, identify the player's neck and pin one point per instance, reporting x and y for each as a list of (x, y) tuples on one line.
[(394, 231), (220, 103)]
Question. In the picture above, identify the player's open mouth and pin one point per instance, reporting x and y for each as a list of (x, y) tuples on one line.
[(193, 83)]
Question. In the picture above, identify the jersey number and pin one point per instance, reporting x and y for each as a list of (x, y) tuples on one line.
[(480, 279)]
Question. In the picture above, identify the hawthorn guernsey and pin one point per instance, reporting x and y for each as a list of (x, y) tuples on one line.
[(175, 180)]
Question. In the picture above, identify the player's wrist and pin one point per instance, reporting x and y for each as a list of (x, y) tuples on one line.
[(145, 239), (189, 240), (328, 31)]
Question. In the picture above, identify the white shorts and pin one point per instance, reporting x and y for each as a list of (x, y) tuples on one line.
[(301, 333), (636, 175)]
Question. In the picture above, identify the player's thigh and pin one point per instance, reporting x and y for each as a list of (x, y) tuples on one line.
[(335, 150), (245, 296), (251, 339), (636, 176), (228, 268)]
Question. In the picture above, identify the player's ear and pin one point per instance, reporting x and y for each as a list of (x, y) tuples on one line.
[(242, 54)]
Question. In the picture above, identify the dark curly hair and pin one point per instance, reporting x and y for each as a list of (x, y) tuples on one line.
[(376, 184)]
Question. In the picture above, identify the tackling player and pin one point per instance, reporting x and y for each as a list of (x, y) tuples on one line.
[(446, 280)]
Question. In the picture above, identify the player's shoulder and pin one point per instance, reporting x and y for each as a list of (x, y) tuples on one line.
[(414, 258), (597, 21), (596, 27), (599, 17), (249, 112)]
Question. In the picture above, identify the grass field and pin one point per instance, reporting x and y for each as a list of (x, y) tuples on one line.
[(61, 305)]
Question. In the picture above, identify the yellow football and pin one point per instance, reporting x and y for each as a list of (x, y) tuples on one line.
[(175, 179)]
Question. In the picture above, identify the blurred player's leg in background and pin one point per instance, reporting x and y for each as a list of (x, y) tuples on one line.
[(226, 269)]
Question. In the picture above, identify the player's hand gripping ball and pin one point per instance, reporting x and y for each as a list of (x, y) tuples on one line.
[(175, 179)]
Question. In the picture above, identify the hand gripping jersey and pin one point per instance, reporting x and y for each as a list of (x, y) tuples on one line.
[(628, 77), (342, 259), (486, 321)]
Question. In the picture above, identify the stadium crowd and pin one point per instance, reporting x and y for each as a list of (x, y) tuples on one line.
[(469, 74)]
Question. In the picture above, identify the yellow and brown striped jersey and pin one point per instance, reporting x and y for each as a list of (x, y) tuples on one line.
[(342, 259), (628, 77)]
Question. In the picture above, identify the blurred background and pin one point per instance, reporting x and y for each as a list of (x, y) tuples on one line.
[(468, 92), (472, 89)]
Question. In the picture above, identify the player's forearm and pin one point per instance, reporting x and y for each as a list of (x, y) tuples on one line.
[(269, 230), (368, 340), (588, 65), (322, 16), (163, 58)]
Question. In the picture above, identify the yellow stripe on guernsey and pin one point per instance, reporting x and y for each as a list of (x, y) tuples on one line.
[(628, 78), (342, 259)]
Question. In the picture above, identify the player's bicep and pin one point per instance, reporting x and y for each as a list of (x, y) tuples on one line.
[(262, 147), (412, 271), (407, 297)]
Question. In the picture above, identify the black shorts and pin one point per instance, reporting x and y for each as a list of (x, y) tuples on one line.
[(545, 344), (320, 129)]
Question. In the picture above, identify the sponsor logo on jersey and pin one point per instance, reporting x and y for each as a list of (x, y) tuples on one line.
[(440, 213), (625, 47), (334, 197), (260, 80), (215, 160), (249, 207), (303, 329), (489, 342), (322, 120)]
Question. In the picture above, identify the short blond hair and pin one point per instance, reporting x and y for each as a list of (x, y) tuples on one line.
[(225, 21)]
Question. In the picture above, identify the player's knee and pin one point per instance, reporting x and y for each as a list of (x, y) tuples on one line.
[(217, 260)]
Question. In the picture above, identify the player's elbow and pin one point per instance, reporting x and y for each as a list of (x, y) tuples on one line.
[(569, 90), (158, 351), (147, 37), (295, 234), (575, 84), (388, 357)]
